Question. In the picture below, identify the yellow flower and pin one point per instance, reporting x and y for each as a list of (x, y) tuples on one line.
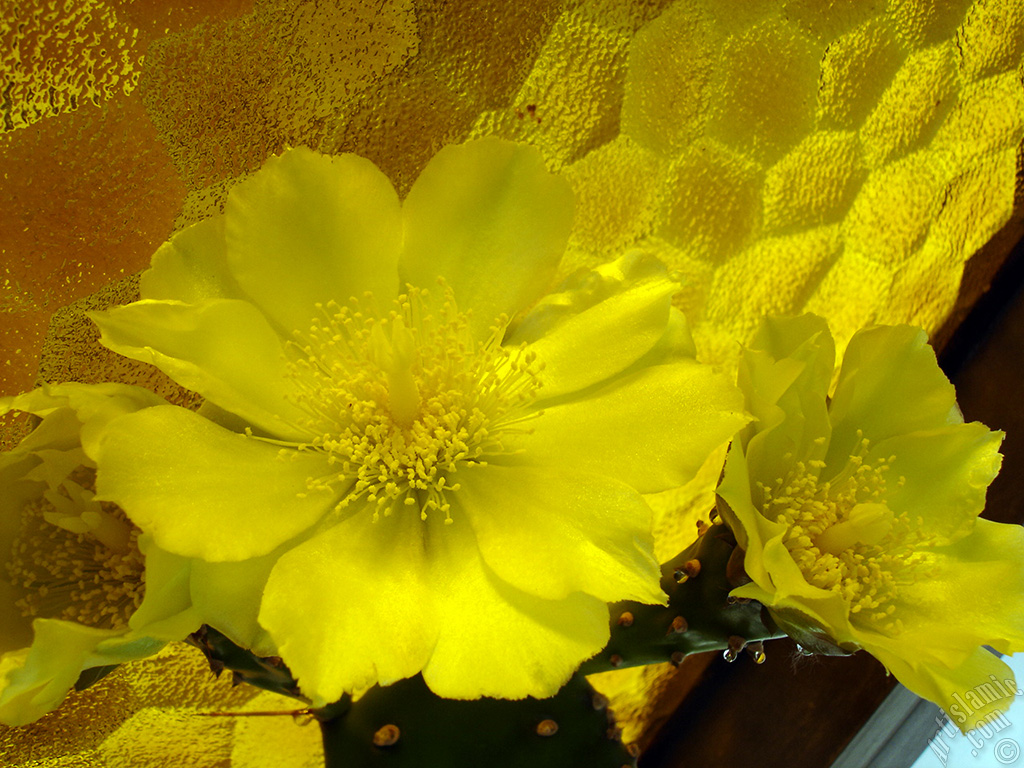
[(415, 461), (859, 513), (75, 569)]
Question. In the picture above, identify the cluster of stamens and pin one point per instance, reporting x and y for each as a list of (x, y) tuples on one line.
[(399, 401), (83, 567), (845, 539)]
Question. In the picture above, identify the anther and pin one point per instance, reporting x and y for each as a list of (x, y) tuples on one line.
[(677, 658), (599, 701), (626, 619), (547, 728), (386, 736), (615, 660), (679, 626)]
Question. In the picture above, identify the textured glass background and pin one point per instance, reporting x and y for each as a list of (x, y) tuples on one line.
[(847, 157)]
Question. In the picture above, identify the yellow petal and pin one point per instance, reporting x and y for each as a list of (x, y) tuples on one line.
[(308, 228), (488, 218), (166, 612), (202, 491), (970, 692), (351, 607), (227, 596), (889, 384), (36, 680), (192, 267), (223, 349), (551, 531), (651, 430), (75, 414), (785, 378), (497, 641), (970, 596), (944, 471), (605, 339)]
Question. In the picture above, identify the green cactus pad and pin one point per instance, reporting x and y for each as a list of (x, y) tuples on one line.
[(700, 616), (405, 725)]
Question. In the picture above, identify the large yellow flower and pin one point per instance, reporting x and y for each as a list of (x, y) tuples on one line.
[(79, 588), (859, 513), (414, 461)]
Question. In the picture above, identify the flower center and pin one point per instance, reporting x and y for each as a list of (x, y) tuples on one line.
[(77, 559), (844, 537), (398, 402)]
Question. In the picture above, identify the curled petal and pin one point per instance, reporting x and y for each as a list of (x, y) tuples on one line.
[(224, 349)]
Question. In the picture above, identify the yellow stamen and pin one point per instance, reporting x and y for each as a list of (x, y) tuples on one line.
[(844, 537), (85, 568), (400, 402)]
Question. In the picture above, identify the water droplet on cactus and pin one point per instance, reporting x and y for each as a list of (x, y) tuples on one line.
[(736, 645), (756, 651)]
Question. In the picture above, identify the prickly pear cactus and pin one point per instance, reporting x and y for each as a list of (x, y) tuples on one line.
[(405, 725), (700, 615)]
